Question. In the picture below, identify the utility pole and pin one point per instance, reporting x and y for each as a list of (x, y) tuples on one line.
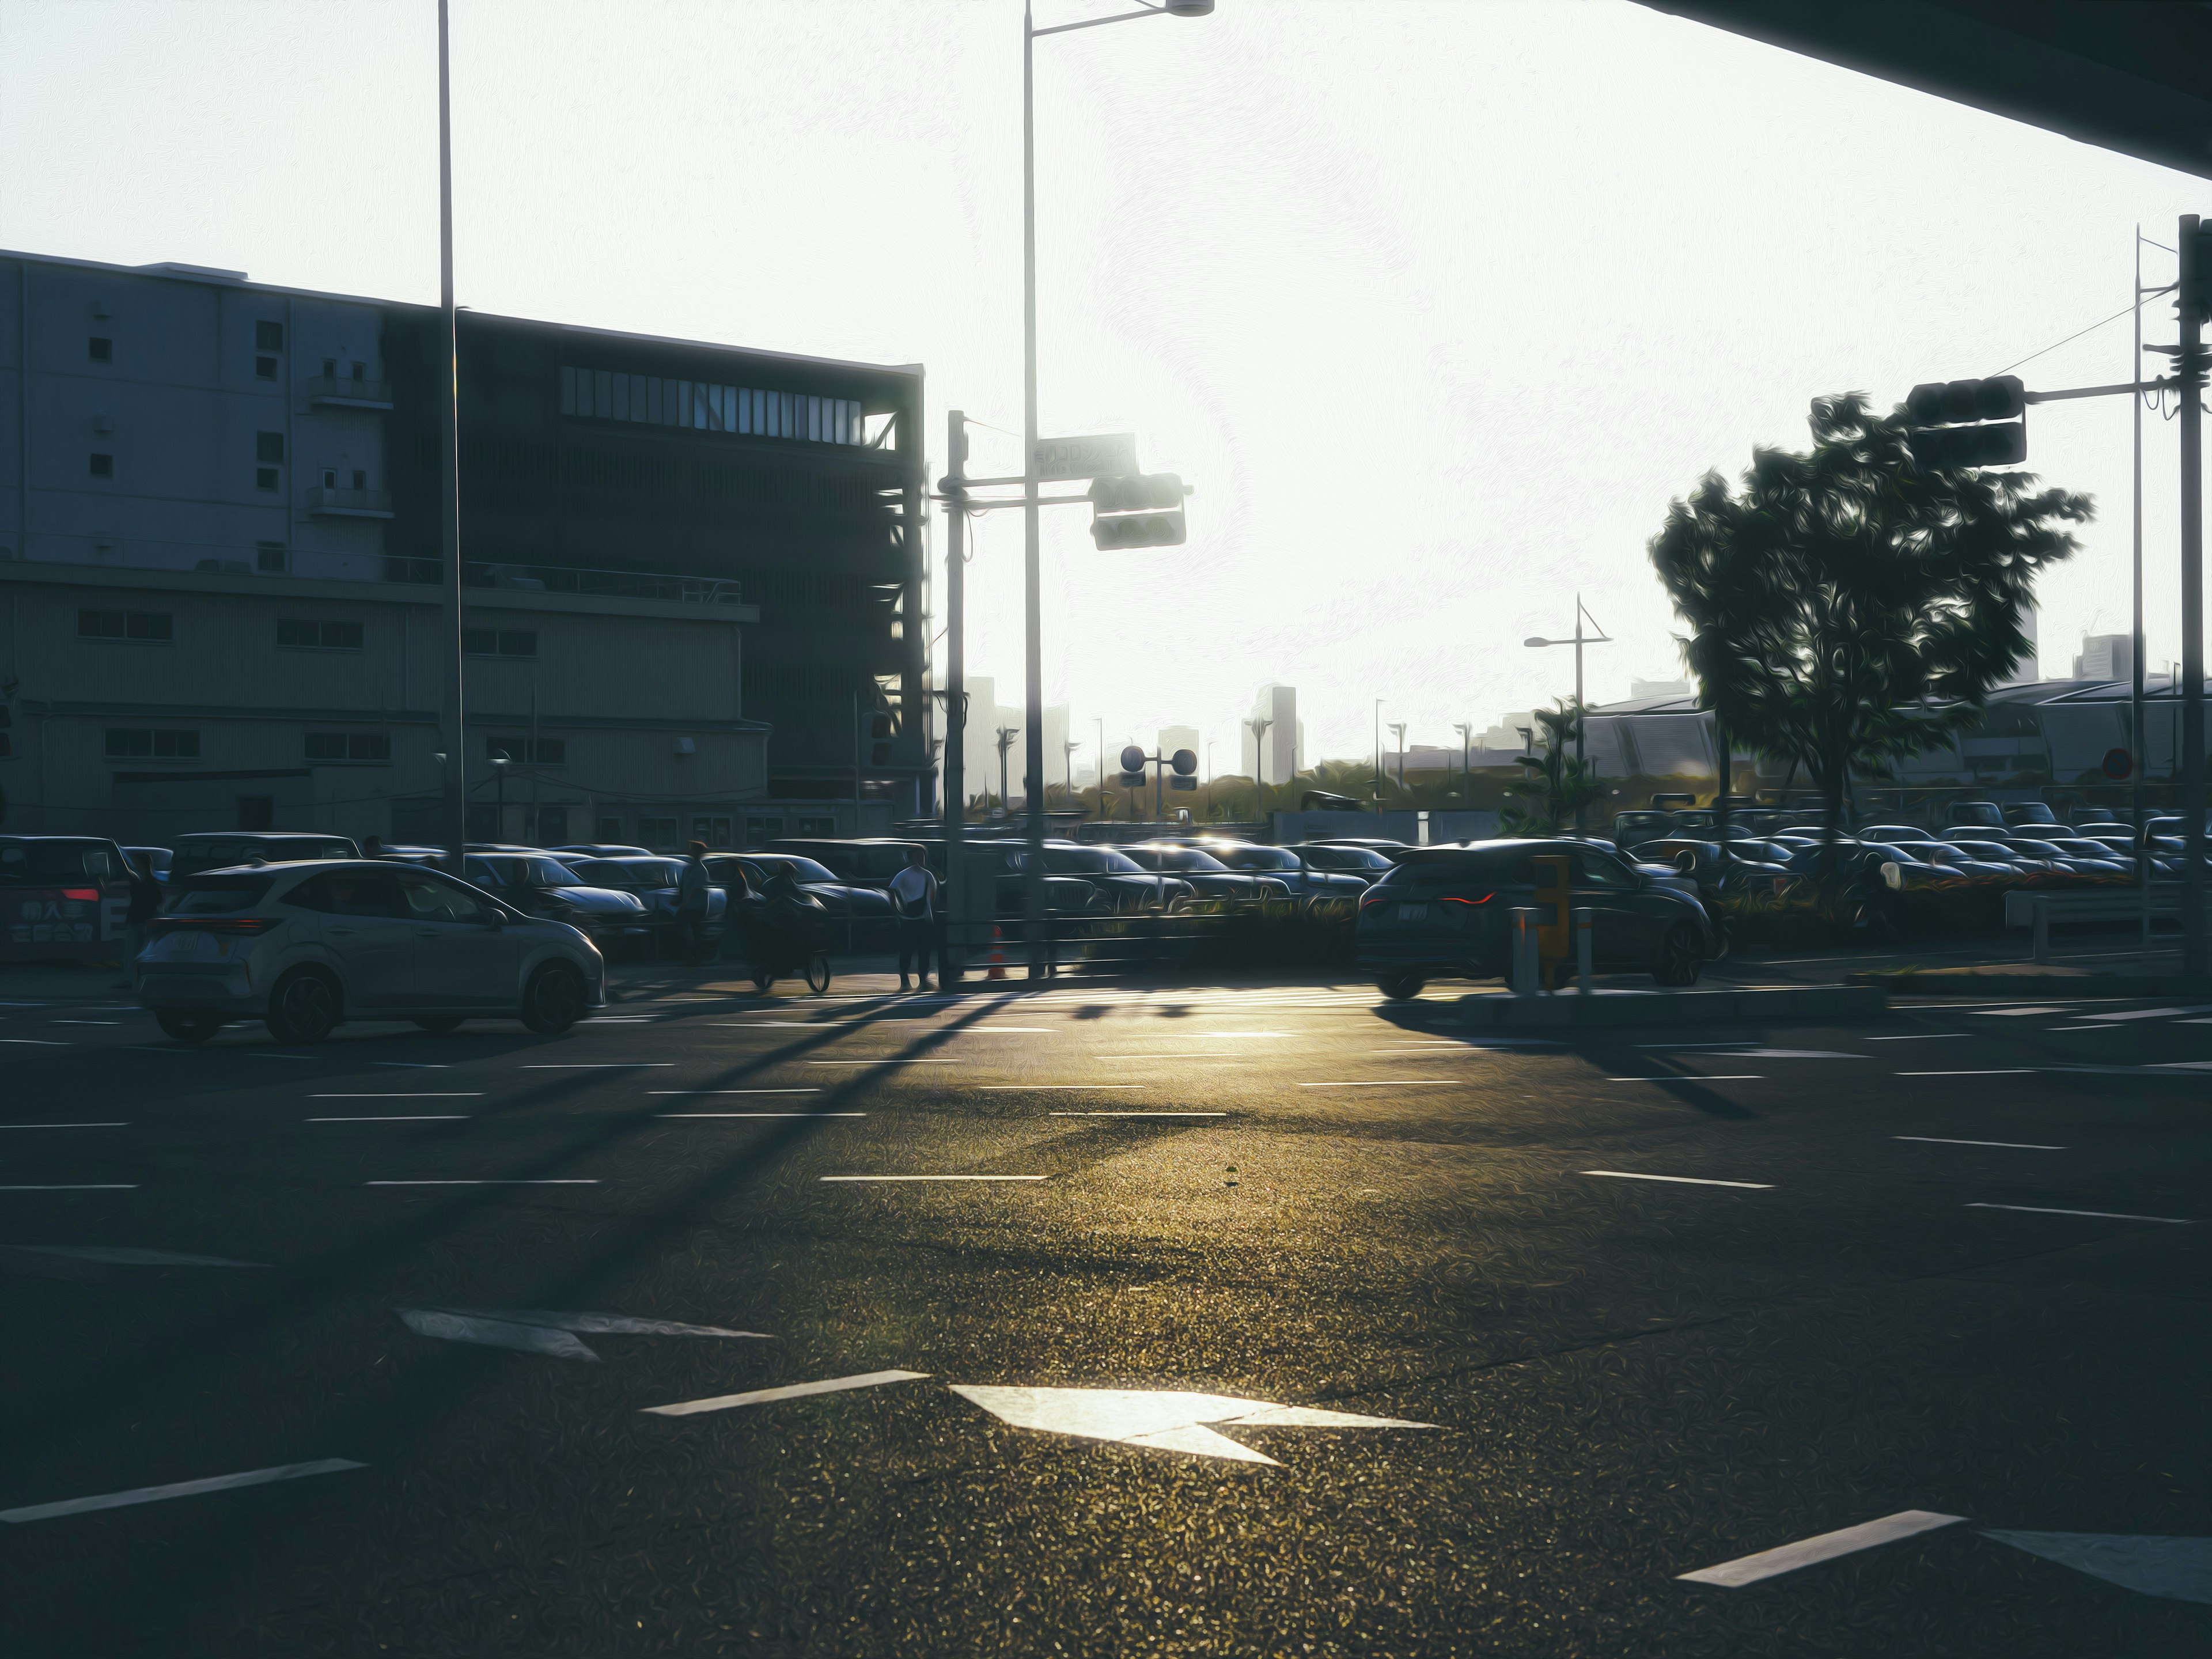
[(1258, 727), (2136, 667), (1398, 735), (856, 764), (956, 694), (2190, 372), (1005, 741), (1101, 752), (1465, 730), (1378, 752), (449, 472), (1067, 748)]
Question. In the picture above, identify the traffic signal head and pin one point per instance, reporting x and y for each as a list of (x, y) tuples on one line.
[(1945, 448), (1133, 759), (1938, 415), (1142, 510), (1185, 762)]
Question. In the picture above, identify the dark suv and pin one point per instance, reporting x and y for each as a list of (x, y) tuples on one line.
[(1448, 910)]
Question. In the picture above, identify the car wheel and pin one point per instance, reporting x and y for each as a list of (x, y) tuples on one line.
[(764, 981), (189, 1028), (817, 972), (555, 999), (1400, 987), (1678, 961), (443, 1024), (304, 1007)]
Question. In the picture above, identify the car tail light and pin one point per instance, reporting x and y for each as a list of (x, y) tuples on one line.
[(232, 924), (1374, 896), (1470, 902), (88, 894)]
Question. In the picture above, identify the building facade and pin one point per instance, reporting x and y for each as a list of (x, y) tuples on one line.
[(1274, 756), (698, 568)]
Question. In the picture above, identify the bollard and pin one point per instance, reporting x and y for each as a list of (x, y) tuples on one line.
[(1582, 953), (1523, 976), (2041, 949)]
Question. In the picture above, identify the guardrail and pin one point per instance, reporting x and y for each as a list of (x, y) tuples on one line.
[(2038, 910)]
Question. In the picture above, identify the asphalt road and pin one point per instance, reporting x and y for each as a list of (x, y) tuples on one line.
[(1628, 1307)]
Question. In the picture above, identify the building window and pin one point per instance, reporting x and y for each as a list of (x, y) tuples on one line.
[(142, 743), (348, 746), (359, 479), (100, 349), (304, 634), (269, 448), (268, 336), (265, 477), (264, 368), (547, 752), (601, 394), (817, 826), (657, 834), (715, 832), (103, 466), (330, 369), (499, 642), (153, 626), (272, 558), (329, 477), (609, 830)]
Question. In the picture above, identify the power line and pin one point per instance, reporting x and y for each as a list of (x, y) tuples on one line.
[(2122, 311)]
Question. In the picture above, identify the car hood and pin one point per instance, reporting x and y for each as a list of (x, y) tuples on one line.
[(601, 901)]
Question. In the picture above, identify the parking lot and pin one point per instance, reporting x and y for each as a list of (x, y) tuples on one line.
[(1026, 1321)]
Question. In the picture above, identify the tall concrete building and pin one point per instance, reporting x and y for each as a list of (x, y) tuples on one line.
[(1274, 756), (691, 571), (1172, 737)]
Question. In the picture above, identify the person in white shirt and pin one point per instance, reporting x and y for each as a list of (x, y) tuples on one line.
[(914, 894)]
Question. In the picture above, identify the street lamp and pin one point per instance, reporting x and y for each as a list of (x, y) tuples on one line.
[(499, 765), (1258, 727), (1032, 597), (1465, 730), (1579, 641), (1397, 735), (1378, 752)]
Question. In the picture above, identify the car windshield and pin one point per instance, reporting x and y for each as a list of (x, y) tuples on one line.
[(634, 873), (1501, 867), (799, 869), (1189, 857), (1346, 857), (1256, 858), (215, 896), (43, 863), (1988, 851)]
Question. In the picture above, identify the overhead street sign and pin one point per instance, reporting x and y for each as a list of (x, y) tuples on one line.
[(1106, 454)]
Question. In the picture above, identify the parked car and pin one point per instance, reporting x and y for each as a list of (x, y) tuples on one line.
[(867, 862), (600, 850), (1379, 844), (1365, 862), (866, 911), (539, 884), (1632, 828), (2097, 867), (652, 881), (1445, 910), (1210, 879), (306, 947), (1288, 865), (1896, 834), (217, 850), (2027, 814), (1125, 886), (61, 896), (1973, 814), (157, 859)]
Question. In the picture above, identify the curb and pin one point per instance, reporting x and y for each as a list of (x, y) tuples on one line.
[(1952, 984), (1676, 1007)]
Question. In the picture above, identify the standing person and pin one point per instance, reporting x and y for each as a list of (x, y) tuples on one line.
[(691, 890), (913, 891), (145, 900), (372, 846)]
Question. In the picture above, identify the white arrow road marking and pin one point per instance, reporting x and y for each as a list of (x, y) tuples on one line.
[(1806, 1551), (795, 1391), (1162, 1417), (116, 1500), (494, 1332), (2179, 1568)]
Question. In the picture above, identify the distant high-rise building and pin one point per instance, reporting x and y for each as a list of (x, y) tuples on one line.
[(1274, 756), (1658, 688), (2105, 657)]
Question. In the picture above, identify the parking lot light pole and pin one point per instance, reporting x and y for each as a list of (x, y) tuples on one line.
[(1258, 727), (1579, 641), (1032, 600), (449, 470)]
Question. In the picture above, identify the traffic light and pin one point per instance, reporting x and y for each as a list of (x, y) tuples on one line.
[(879, 741), (1961, 423), (1142, 510)]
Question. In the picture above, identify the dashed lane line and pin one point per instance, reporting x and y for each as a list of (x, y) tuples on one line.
[(1923, 1036), (393, 1117), (79, 1187), (809, 1089), (2098, 1215), (116, 1500), (723, 1402), (933, 1177), (425, 1094), (1395, 1083), (1685, 1181), (1948, 1140), (1827, 1546), (568, 1181), (38, 1043), (1696, 1076), (760, 1114), (2002, 1071), (599, 1065), (1136, 1115), (2143, 1014)]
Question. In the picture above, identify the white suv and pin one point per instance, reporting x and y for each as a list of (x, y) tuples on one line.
[(307, 946)]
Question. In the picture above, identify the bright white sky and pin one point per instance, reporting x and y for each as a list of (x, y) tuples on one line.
[(1438, 304)]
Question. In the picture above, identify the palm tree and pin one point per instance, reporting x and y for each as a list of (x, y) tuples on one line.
[(1555, 783)]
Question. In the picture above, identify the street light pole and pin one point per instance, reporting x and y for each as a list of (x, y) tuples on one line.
[(1580, 639), (1398, 732), (1378, 753), (449, 472), (2189, 371), (1258, 727)]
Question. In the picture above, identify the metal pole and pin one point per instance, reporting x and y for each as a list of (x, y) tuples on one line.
[(533, 837), (1378, 752), (449, 478), (1032, 600), (956, 700), (1579, 707), (2192, 378), (1101, 769), (2136, 663), (856, 763)]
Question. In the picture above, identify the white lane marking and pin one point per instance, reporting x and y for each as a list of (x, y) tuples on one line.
[(810, 1088), (1920, 1037), (2179, 1568), (2132, 1013), (410, 1094), (2098, 1215), (1946, 1141), (2020, 1013), (405, 1065), (883, 1062), (263, 1053), (1003, 1030), (1395, 1083), (396, 1117), (494, 1333), (2085, 1028), (116, 1500), (1136, 1115), (760, 1114), (599, 1066), (2185, 1070), (1696, 1076), (84, 1022), (38, 1043), (619, 1020), (1683, 1181), (1079, 1088), (1163, 1419), (570, 1182), (83, 1187), (795, 1391), (934, 1177), (2002, 1071), (601, 1323), (1807, 1552), (124, 1124), (124, 1256), (1738, 1053)]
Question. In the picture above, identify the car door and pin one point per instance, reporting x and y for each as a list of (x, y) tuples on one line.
[(1626, 922), (365, 926), (466, 956)]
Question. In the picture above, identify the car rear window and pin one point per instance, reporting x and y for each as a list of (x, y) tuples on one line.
[(43, 863), (215, 896), (1497, 867)]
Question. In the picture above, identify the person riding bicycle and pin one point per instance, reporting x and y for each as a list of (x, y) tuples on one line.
[(789, 925)]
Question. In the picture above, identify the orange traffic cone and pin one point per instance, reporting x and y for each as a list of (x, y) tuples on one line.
[(998, 958)]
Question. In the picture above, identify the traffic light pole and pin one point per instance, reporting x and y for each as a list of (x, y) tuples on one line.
[(2190, 372), (955, 783)]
